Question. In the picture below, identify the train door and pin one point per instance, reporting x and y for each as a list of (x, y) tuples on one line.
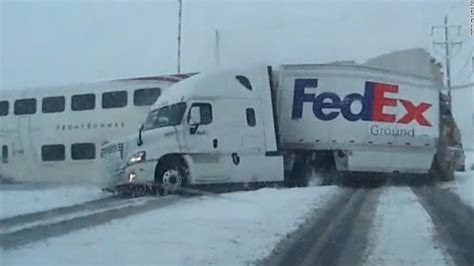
[(23, 154)]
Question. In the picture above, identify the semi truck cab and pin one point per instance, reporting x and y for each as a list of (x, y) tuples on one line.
[(211, 128)]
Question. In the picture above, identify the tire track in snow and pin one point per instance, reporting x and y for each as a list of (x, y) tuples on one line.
[(43, 231), (56, 212), (403, 232), (333, 236), (454, 221)]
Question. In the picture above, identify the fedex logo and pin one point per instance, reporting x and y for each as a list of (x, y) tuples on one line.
[(328, 105)]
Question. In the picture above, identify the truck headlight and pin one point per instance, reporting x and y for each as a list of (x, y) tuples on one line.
[(137, 158), (131, 177)]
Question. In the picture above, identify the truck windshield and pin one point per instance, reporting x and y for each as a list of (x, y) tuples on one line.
[(170, 115)]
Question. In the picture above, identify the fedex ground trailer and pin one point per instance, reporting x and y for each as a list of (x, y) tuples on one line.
[(272, 125)]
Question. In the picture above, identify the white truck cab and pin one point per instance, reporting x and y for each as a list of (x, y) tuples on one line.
[(211, 128)]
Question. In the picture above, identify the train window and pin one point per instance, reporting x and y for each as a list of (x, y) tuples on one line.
[(83, 151), (251, 121), (114, 99), (4, 106), (25, 106), (4, 154), (143, 97), (54, 152), (83, 102), (53, 104)]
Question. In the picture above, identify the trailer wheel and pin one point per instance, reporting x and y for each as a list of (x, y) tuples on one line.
[(297, 177), (317, 178)]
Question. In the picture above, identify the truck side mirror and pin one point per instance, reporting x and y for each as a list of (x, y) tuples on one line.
[(140, 129)]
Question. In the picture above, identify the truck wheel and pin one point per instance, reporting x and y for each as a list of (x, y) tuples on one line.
[(170, 180), (297, 174), (316, 178)]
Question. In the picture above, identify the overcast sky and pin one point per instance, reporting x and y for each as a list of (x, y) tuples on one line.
[(46, 43), (61, 42)]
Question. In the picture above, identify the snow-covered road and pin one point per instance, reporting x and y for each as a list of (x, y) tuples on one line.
[(463, 186), (20, 199), (228, 229), (403, 233), (387, 226), (391, 225)]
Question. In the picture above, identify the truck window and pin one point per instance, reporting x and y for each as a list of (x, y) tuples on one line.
[(170, 115), (83, 151), (206, 112), (83, 102), (114, 99), (244, 81), (53, 104), (25, 106), (251, 121), (4, 154), (55, 152), (4, 106), (144, 97)]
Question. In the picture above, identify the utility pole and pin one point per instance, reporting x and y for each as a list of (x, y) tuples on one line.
[(448, 48), (217, 48), (180, 2)]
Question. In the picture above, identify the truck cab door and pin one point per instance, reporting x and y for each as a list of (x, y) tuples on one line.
[(203, 144)]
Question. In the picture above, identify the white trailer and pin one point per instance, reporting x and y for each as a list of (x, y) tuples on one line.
[(261, 125)]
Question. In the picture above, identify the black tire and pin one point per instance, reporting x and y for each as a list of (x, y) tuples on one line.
[(297, 176), (161, 172)]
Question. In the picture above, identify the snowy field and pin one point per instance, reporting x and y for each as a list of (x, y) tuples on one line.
[(228, 229), (20, 199)]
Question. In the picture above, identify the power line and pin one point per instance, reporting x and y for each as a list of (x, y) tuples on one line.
[(448, 46), (469, 59), (180, 3)]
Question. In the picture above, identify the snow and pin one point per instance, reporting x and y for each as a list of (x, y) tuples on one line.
[(463, 186), (403, 232), (228, 229), (56, 219), (19, 199), (469, 160)]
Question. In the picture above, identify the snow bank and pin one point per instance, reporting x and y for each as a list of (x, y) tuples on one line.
[(469, 161), (403, 233), (19, 199), (230, 229)]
